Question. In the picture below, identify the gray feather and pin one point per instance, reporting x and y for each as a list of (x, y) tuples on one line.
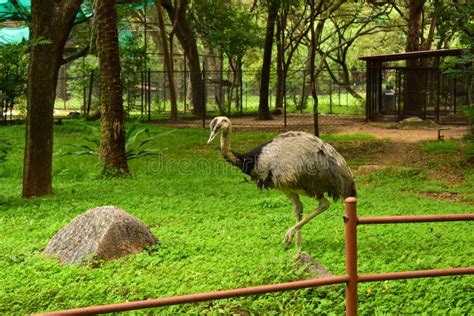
[(302, 163)]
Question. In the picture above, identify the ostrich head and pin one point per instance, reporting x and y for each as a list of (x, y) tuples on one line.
[(219, 124)]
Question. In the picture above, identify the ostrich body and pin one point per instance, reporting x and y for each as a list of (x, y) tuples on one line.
[(294, 163)]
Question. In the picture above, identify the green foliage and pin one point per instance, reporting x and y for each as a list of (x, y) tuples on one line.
[(80, 70), (13, 71), (131, 59), (5, 147), (90, 145), (135, 143), (469, 151), (468, 111), (136, 137), (457, 20), (225, 26), (218, 232)]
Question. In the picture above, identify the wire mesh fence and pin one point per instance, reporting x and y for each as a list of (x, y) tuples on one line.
[(147, 96)]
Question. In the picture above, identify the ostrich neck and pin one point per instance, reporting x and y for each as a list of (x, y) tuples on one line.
[(225, 147)]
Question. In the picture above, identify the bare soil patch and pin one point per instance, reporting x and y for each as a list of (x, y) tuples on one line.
[(391, 132), (336, 124)]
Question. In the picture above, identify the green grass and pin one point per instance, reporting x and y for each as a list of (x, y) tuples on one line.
[(343, 104), (445, 146), (218, 231)]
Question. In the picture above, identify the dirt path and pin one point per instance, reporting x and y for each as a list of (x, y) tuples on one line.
[(405, 135), (337, 124)]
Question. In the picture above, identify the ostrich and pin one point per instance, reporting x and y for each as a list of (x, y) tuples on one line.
[(294, 163)]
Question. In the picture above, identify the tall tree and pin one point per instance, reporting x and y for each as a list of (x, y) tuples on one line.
[(231, 30), (263, 107), (312, 59), (413, 98), (351, 22), (168, 61), (51, 23), (112, 145), (320, 12), (292, 27), (187, 39), (419, 16)]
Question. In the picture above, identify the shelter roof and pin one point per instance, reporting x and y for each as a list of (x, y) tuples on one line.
[(412, 55)]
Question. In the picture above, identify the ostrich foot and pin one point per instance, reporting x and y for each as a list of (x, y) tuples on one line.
[(289, 236)]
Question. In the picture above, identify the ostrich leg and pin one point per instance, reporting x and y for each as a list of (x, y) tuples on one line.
[(323, 205), (295, 200)]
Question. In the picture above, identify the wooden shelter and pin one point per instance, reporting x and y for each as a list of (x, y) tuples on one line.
[(395, 91)]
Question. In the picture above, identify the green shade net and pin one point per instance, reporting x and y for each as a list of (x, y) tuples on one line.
[(20, 10), (15, 10), (14, 35)]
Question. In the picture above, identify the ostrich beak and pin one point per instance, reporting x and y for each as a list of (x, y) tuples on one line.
[(211, 138)]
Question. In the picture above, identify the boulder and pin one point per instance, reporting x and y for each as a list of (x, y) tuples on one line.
[(415, 122), (312, 268), (103, 233)]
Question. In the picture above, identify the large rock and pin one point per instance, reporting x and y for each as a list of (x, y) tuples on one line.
[(105, 232), (415, 122), (312, 268)]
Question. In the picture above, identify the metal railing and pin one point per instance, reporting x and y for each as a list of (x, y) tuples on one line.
[(352, 278)]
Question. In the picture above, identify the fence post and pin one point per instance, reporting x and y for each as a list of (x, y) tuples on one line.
[(330, 96), (149, 94), (204, 92), (185, 75), (350, 220)]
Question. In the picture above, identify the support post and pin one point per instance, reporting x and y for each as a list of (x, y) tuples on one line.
[(330, 96), (204, 94), (454, 95), (84, 88), (438, 94), (241, 99), (149, 94), (89, 97), (350, 220), (185, 75), (142, 90), (285, 118), (368, 90)]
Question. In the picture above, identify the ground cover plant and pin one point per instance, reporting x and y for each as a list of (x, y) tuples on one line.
[(217, 231)]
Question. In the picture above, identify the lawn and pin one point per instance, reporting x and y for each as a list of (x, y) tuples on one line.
[(217, 231), (336, 103)]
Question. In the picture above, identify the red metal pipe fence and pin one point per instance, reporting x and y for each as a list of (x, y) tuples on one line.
[(352, 278), (351, 220)]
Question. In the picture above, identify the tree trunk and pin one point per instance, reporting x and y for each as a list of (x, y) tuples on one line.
[(168, 62), (413, 98), (263, 107), (188, 42), (280, 42), (312, 75), (45, 60), (232, 70), (214, 75), (112, 145)]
